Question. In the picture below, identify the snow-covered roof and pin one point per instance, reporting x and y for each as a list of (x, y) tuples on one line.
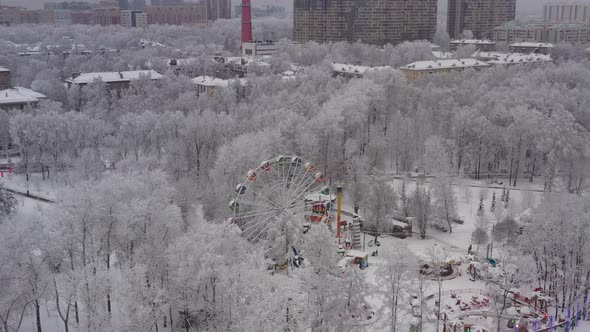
[(210, 81), (473, 41), (442, 55), (356, 253), (531, 44), (513, 58), (355, 69), (445, 64), (2, 69), (19, 95), (114, 76), (216, 82), (398, 223)]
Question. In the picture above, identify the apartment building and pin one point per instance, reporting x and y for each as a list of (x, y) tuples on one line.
[(376, 22), (134, 19), (566, 12), (478, 16), (542, 32)]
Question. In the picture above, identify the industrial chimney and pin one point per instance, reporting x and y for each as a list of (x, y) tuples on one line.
[(246, 22)]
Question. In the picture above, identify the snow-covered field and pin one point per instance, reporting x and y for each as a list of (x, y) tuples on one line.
[(455, 244)]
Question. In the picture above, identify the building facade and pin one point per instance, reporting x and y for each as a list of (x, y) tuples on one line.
[(566, 13), (106, 16), (531, 47), (134, 19), (218, 9), (480, 44), (176, 15), (181, 13), (479, 16), (114, 80), (542, 32), (259, 48), (4, 78), (376, 22), (18, 15)]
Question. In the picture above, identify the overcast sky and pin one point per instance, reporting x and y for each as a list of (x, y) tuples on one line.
[(523, 5)]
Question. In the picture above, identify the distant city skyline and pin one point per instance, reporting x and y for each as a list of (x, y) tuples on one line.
[(522, 6)]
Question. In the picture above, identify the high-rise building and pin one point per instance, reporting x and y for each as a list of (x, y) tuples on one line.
[(542, 32), (179, 13), (371, 21), (218, 9), (123, 4), (566, 13), (478, 16), (137, 4), (134, 19)]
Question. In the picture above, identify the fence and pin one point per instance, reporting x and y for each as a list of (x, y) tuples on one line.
[(474, 291)]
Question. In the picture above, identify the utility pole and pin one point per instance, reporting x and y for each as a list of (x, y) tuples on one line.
[(338, 211)]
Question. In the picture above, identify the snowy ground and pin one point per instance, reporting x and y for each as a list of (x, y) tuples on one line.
[(468, 193), (46, 189)]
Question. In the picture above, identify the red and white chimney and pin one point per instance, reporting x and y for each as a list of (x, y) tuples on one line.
[(246, 22)]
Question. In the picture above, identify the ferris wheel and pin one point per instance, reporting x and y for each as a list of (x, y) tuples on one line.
[(279, 188)]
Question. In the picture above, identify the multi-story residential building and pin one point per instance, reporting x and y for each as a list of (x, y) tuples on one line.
[(218, 9), (371, 21), (480, 44), (134, 19), (418, 69), (114, 80), (531, 47), (106, 16), (85, 17), (19, 15), (63, 16), (16, 97), (182, 13), (542, 32), (566, 12), (71, 5), (478, 16), (4, 78), (176, 15)]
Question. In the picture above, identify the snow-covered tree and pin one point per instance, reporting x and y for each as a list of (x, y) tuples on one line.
[(381, 204), (396, 274)]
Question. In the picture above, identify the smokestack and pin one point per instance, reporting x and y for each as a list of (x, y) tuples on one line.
[(246, 22)]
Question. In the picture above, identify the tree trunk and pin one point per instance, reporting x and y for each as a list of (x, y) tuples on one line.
[(38, 314), (517, 160), (171, 322), (533, 169)]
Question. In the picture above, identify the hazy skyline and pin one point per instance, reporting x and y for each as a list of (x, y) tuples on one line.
[(523, 6)]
